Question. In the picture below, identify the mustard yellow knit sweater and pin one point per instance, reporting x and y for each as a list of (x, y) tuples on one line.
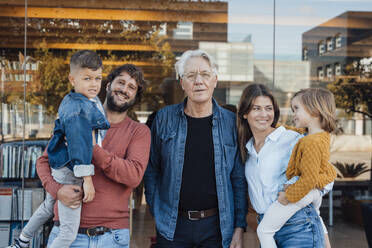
[(310, 161)]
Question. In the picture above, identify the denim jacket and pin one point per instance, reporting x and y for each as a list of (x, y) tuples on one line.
[(78, 116), (164, 173)]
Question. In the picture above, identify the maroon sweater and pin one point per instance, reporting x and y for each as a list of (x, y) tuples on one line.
[(119, 167)]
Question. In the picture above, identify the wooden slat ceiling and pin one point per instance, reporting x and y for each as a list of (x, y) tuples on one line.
[(217, 6), (116, 25), (113, 14), (109, 29)]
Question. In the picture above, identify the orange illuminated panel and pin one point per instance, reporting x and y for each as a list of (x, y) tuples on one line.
[(118, 47), (113, 14)]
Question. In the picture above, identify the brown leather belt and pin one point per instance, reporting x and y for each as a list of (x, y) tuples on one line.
[(91, 231), (197, 215)]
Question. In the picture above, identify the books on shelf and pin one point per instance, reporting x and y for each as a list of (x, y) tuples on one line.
[(6, 195), (15, 230), (24, 202), (4, 234), (37, 198), (14, 156), (18, 160), (14, 202)]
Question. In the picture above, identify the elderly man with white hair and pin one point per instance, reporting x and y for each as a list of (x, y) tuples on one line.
[(194, 183)]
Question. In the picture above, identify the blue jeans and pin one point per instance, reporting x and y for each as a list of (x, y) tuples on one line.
[(204, 233), (302, 230), (117, 238)]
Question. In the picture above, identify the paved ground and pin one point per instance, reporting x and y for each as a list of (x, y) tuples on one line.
[(342, 235)]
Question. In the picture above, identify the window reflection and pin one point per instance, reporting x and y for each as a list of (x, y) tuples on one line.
[(315, 46)]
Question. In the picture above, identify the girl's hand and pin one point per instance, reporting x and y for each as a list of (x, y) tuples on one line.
[(282, 199)]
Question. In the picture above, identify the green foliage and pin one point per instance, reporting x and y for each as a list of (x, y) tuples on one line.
[(353, 92), (51, 83), (350, 170)]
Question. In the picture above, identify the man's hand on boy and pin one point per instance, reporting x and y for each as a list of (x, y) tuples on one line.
[(70, 195), (88, 188)]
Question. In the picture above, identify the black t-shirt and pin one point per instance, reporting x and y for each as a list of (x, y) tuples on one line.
[(198, 187)]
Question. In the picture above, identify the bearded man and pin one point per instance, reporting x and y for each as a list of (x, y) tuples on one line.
[(119, 167)]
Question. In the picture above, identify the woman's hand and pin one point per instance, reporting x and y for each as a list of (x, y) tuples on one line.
[(237, 239), (282, 199)]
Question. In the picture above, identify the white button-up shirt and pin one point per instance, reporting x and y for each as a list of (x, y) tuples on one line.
[(265, 171)]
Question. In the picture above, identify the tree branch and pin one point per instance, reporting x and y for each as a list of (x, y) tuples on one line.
[(362, 112)]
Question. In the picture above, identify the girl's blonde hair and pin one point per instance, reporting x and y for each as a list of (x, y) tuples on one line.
[(320, 103)]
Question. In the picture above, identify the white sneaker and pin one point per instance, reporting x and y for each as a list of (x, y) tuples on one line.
[(19, 244)]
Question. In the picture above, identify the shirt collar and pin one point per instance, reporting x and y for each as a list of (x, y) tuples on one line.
[(93, 99), (249, 145), (215, 109), (76, 95), (274, 136)]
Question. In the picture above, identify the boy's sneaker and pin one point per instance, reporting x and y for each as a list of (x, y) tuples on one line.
[(19, 244)]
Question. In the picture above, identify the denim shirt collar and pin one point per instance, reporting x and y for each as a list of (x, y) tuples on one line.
[(215, 109), (76, 95)]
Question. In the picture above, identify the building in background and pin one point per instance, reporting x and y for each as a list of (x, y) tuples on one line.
[(235, 68), (331, 49), (333, 45), (290, 76)]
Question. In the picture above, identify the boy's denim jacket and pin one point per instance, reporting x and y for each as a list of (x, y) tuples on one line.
[(71, 144), (164, 172)]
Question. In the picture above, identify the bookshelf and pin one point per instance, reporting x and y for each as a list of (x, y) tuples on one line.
[(20, 193)]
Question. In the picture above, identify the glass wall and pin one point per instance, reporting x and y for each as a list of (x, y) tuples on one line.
[(287, 45)]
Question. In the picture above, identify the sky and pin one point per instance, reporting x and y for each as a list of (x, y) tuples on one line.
[(293, 17)]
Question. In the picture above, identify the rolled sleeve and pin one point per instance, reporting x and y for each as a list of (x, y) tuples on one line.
[(78, 133), (82, 170)]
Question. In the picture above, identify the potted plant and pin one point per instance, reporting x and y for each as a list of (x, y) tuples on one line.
[(350, 170), (351, 203)]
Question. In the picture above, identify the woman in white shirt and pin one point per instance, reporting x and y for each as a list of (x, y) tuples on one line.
[(266, 151)]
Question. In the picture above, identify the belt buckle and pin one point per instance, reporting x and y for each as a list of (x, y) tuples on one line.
[(189, 215), (93, 233)]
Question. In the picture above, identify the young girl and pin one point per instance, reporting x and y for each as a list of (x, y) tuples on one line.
[(309, 169)]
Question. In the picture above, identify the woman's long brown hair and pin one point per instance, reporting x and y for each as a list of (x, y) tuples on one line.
[(250, 93)]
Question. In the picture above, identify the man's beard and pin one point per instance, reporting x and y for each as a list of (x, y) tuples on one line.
[(116, 108)]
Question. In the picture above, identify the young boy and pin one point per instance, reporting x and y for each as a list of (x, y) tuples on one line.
[(81, 121)]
